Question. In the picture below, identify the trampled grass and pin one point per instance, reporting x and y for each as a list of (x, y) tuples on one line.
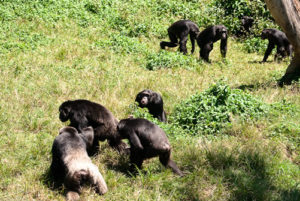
[(52, 51)]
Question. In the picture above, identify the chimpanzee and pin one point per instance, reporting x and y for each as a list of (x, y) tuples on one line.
[(146, 140), (207, 38), (247, 23), (84, 113), (71, 162), (181, 29), (154, 102), (278, 38)]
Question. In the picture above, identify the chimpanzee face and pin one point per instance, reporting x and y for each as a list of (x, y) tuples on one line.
[(264, 34), (144, 99), (64, 113), (222, 32)]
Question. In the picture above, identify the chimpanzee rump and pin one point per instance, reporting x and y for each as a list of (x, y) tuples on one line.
[(71, 161), (180, 30), (146, 140)]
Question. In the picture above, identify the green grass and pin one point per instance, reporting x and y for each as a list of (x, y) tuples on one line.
[(52, 51)]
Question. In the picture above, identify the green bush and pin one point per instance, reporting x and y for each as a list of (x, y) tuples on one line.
[(212, 110), (121, 44), (167, 59), (252, 45), (230, 12)]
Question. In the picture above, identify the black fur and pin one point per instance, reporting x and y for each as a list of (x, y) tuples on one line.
[(278, 38), (181, 29), (70, 161), (146, 140), (207, 38), (84, 113), (247, 23), (154, 102)]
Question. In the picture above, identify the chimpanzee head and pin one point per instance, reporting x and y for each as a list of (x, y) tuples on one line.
[(64, 111), (121, 126), (143, 98), (265, 34), (247, 21), (68, 129), (222, 32)]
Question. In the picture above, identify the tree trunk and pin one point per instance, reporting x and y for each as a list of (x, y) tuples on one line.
[(287, 14)]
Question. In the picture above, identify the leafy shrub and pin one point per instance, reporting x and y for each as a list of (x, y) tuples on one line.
[(229, 13), (210, 111), (122, 44), (255, 45), (167, 59)]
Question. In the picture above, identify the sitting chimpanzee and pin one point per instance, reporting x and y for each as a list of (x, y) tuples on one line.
[(181, 29), (278, 38), (154, 102), (146, 140), (207, 38), (247, 23), (84, 113), (71, 162)]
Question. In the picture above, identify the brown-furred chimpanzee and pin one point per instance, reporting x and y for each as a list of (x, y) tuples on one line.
[(146, 140), (278, 38), (71, 162), (180, 30), (247, 23), (84, 113), (207, 38), (154, 102)]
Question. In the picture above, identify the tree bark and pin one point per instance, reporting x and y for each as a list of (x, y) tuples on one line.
[(287, 15)]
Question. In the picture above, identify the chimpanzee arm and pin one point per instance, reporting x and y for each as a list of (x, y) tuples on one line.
[(135, 141), (155, 99), (268, 51), (79, 121), (223, 47), (193, 44), (88, 135)]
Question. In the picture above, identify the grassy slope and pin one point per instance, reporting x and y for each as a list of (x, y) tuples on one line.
[(44, 63)]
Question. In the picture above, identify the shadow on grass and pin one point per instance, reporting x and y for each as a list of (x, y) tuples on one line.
[(252, 87), (48, 180), (120, 165), (259, 62), (247, 177)]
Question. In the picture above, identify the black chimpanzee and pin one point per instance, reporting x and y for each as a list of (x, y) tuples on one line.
[(207, 38), (146, 140), (278, 38), (84, 113), (71, 162), (154, 102), (247, 23), (181, 29)]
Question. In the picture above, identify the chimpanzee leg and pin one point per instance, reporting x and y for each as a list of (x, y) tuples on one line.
[(72, 184), (205, 50), (173, 43), (136, 158), (193, 43), (279, 54), (164, 158), (183, 41)]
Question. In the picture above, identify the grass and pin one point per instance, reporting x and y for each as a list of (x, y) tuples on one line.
[(67, 50)]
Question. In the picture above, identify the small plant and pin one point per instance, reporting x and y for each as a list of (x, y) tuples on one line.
[(212, 110), (166, 59), (252, 45)]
